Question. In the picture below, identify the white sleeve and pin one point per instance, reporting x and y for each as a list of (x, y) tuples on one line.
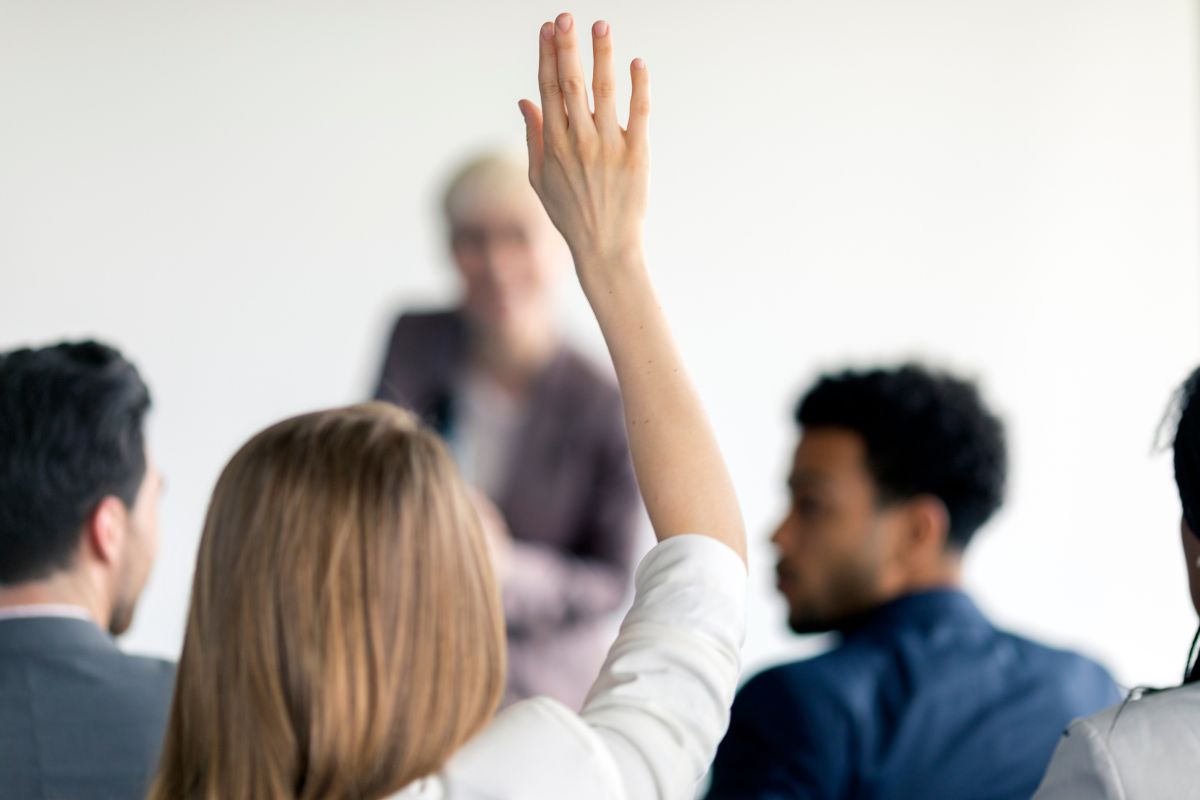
[(1082, 768), (654, 717), (661, 703)]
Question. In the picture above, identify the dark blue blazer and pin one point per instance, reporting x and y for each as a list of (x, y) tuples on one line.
[(923, 699)]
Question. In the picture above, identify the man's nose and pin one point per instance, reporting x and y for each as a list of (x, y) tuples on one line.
[(779, 536)]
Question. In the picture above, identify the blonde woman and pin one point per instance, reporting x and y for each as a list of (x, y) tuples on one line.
[(345, 637)]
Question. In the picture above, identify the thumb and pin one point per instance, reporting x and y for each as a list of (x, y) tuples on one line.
[(533, 138)]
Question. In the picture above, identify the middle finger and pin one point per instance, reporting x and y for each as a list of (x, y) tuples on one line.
[(570, 77)]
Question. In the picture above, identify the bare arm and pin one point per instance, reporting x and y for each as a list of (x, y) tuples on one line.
[(592, 176)]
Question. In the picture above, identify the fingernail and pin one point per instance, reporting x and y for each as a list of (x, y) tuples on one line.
[(548, 31), (639, 64), (564, 22), (600, 29)]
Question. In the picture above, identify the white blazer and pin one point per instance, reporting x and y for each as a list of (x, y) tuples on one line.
[(654, 717), (1144, 749)]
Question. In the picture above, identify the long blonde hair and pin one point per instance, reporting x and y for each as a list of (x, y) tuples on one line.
[(345, 635)]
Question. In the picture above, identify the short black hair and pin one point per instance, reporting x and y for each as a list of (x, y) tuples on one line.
[(71, 419), (925, 431), (1187, 451)]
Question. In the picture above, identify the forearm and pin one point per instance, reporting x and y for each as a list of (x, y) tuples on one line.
[(682, 475), (592, 177)]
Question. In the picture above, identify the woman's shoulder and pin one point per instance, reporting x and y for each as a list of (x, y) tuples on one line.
[(1158, 715), (1143, 747), (537, 748), (681, 642), (532, 749), (1149, 704)]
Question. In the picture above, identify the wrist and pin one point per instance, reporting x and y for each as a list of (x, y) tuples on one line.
[(602, 270)]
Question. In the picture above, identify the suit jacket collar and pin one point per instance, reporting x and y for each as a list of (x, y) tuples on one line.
[(921, 610), (53, 634)]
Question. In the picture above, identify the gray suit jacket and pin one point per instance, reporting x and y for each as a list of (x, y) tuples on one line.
[(78, 717)]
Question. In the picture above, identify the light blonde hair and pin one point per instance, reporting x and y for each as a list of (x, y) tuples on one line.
[(490, 171), (345, 635)]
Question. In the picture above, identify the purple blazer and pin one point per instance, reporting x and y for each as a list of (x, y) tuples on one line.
[(571, 501)]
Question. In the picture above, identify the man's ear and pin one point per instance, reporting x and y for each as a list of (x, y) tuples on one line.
[(104, 537), (928, 526)]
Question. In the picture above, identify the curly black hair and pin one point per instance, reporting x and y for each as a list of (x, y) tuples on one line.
[(1187, 450), (926, 432), (1187, 479), (71, 434)]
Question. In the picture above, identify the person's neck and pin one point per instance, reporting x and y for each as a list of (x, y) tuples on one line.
[(515, 356), (944, 577), (62, 588)]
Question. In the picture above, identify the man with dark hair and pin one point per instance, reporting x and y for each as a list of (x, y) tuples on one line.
[(78, 534), (895, 472)]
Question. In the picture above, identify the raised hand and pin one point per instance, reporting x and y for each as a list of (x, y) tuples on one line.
[(590, 173)]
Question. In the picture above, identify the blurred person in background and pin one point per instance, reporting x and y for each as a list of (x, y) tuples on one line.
[(79, 532), (345, 637), (895, 472), (1146, 747), (535, 428)]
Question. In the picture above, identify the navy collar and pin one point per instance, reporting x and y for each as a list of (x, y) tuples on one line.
[(920, 610)]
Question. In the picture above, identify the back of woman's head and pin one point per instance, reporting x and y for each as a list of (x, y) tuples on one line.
[(345, 634), (1187, 451)]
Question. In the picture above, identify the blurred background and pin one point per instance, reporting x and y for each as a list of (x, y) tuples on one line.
[(241, 196)]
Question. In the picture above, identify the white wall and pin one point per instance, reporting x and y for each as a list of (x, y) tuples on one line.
[(240, 195)]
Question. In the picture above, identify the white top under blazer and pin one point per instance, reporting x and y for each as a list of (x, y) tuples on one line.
[(653, 719)]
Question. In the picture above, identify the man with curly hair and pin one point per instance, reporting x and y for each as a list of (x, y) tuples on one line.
[(895, 472)]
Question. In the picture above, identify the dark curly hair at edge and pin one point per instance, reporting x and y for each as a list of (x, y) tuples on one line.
[(1187, 479), (926, 433), (1187, 451)]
